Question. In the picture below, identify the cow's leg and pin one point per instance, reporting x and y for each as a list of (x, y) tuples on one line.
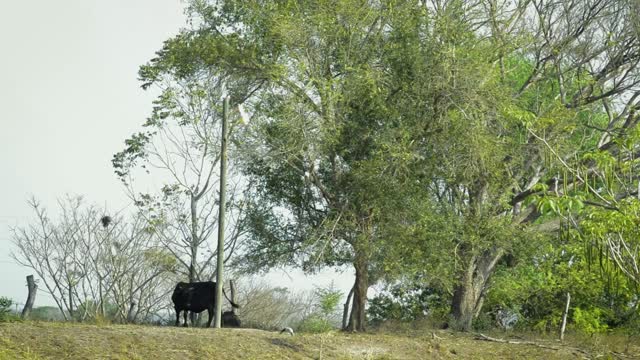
[(177, 317), (210, 311), (186, 323)]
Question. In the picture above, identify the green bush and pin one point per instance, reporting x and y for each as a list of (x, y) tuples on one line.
[(589, 321), (46, 313), (408, 302), (484, 321), (536, 290), (315, 324), (325, 316), (5, 310)]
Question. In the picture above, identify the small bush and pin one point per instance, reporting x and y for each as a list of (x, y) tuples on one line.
[(589, 321), (5, 310), (407, 302), (632, 327), (46, 313), (315, 324), (325, 316), (267, 307), (484, 322)]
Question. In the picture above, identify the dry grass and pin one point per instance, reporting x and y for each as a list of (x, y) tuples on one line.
[(33, 340)]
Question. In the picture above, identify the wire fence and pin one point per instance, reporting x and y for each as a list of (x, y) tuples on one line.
[(40, 293)]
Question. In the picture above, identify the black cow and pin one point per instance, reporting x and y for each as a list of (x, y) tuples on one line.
[(195, 297), (230, 319)]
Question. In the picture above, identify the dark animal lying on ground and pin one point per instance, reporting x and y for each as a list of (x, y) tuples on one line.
[(195, 297), (230, 319)]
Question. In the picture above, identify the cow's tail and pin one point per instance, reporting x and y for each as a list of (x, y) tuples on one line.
[(232, 303)]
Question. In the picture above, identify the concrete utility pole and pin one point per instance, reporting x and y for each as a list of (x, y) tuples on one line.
[(223, 185)]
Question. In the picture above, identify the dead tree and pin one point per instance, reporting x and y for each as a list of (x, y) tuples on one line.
[(31, 298)]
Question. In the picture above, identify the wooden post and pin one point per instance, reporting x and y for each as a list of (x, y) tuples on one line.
[(223, 185), (564, 317), (31, 298)]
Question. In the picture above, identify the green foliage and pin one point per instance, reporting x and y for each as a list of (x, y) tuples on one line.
[(328, 300), (611, 241), (399, 138), (589, 321), (408, 302), (135, 150), (46, 313), (325, 314), (160, 259), (315, 324), (5, 308), (535, 290)]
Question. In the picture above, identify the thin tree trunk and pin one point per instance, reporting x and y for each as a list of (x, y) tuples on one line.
[(101, 294), (232, 285), (358, 318), (70, 301), (564, 317), (130, 312), (345, 311), (468, 295), (31, 297)]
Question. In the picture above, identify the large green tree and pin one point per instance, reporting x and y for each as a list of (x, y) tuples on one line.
[(388, 130), (531, 94), (525, 101), (328, 132)]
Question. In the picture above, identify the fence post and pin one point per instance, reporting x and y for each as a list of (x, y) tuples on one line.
[(564, 317), (31, 298)]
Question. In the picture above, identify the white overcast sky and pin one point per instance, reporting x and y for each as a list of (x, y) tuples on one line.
[(69, 97)]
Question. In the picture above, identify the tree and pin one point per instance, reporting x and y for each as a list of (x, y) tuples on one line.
[(316, 82), (403, 129), (326, 129), (82, 262), (514, 128), (181, 144)]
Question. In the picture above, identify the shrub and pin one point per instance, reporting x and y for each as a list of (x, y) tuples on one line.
[(325, 316), (263, 306), (589, 321), (5, 310), (315, 324), (408, 302), (46, 313)]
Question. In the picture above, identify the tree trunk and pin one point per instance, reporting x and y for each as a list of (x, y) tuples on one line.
[(31, 298), (232, 292), (345, 311), (130, 312), (469, 294), (100, 290), (71, 301), (358, 319)]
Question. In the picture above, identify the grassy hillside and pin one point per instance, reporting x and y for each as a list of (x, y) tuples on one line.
[(33, 340)]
